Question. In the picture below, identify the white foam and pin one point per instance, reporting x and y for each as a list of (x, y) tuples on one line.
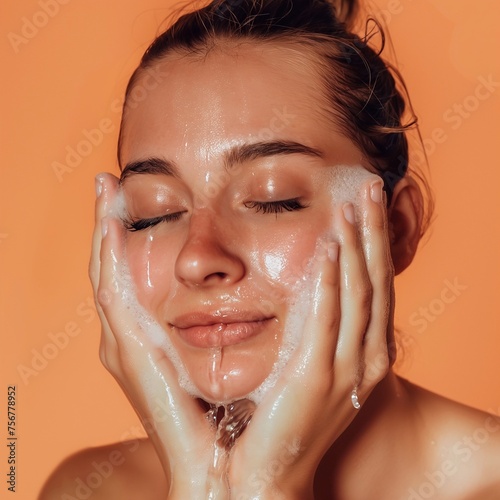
[(154, 331), (344, 184), (298, 311), (118, 208), (145, 321)]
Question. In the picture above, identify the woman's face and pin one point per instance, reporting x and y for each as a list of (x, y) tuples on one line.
[(227, 162)]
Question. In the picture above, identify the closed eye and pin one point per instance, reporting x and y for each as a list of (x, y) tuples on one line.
[(140, 224), (276, 207), (265, 207)]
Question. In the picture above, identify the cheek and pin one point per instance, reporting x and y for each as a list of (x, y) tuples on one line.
[(283, 256), (151, 266)]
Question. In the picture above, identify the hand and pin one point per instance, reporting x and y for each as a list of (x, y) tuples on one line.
[(176, 424), (347, 331)]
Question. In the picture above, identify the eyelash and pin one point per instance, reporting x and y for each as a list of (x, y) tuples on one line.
[(140, 224), (266, 207), (276, 207)]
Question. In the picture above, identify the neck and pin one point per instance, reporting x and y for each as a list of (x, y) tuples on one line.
[(380, 436)]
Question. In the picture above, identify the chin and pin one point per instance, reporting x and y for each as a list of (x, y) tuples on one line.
[(223, 375)]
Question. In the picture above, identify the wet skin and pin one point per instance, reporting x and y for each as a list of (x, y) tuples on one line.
[(246, 197)]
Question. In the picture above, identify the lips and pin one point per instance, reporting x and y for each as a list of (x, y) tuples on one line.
[(220, 329)]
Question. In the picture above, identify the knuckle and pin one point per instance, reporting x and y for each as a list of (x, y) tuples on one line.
[(110, 362), (384, 275), (364, 294), (334, 323), (103, 356), (104, 297), (332, 279), (379, 222), (104, 360), (388, 277), (378, 367), (92, 267)]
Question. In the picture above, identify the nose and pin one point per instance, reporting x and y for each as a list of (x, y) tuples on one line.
[(207, 257)]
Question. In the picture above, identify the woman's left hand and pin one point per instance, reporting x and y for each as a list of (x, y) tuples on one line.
[(345, 345)]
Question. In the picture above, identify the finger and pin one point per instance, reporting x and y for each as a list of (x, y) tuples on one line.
[(320, 332), (111, 276), (122, 333), (107, 295), (355, 295), (96, 235), (381, 272), (106, 188)]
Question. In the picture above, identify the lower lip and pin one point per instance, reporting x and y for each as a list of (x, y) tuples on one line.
[(221, 334)]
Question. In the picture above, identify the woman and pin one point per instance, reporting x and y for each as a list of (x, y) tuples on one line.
[(243, 268)]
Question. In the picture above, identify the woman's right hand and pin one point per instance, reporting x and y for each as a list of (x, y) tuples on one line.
[(177, 425)]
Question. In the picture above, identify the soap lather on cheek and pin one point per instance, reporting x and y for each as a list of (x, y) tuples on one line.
[(344, 184), (147, 325)]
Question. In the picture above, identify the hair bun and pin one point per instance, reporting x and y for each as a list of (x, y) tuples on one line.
[(346, 11)]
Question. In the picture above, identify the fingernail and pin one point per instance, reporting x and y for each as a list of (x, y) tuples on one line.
[(98, 185), (349, 212), (104, 226), (333, 251), (376, 192)]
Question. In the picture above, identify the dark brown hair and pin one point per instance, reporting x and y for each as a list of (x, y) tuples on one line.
[(366, 95)]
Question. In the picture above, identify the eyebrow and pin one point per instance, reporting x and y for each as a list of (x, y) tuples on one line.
[(247, 152), (234, 156), (151, 165)]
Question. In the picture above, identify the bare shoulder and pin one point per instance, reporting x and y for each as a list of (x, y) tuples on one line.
[(463, 445), (127, 470)]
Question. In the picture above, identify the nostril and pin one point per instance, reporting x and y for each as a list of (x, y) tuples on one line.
[(218, 276)]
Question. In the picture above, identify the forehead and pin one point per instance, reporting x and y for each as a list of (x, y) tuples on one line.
[(247, 91)]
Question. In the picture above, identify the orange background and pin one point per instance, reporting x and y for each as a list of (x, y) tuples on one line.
[(67, 78)]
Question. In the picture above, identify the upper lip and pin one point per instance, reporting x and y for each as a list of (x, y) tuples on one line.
[(216, 318)]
